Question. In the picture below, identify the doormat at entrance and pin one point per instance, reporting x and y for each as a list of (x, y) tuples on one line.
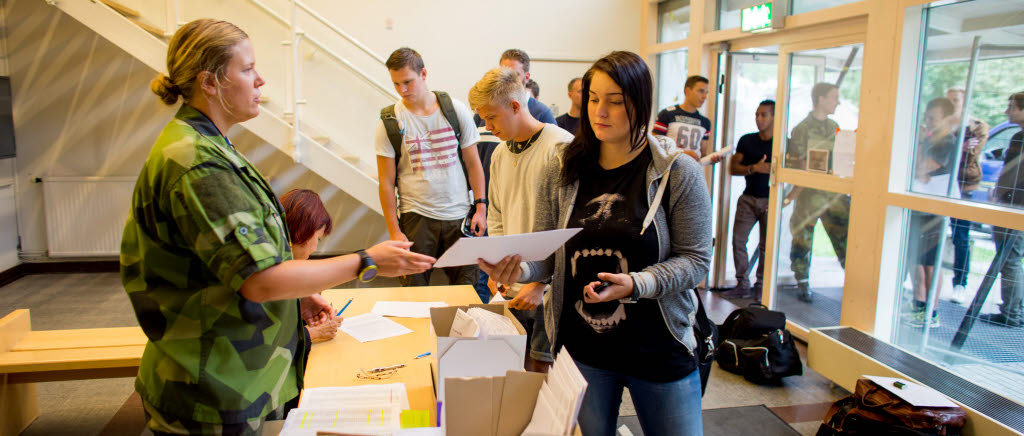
[(730, 421)]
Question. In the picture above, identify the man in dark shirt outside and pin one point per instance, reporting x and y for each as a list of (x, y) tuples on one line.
[(753, 161), (570, 121), (684, 124), (1010, 191), (519, 61)]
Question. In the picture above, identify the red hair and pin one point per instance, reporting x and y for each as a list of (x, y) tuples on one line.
[(305, 214)]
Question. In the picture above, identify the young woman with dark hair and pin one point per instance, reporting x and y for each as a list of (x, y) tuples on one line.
[(308, 222), (646, 219)]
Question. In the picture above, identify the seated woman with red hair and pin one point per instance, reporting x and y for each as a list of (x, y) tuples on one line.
[(308, 222)]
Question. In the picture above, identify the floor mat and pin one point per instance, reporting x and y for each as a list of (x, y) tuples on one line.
[(730, 421)]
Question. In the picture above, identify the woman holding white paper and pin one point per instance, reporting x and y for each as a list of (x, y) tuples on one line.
[(645, 216)]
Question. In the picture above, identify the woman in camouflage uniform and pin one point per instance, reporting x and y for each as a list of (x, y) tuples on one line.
[(205, 256)]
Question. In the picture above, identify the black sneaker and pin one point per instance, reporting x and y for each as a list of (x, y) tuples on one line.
[(1000, 320), (804, 293)]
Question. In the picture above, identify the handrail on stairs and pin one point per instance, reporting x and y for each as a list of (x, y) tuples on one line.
[(384, 90)]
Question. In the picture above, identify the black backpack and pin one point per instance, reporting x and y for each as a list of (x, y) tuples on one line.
[(764, 360), (752, 322), (395, 132)]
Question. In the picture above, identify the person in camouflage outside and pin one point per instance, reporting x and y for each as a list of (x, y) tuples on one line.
[(816, 132), (205, 256)]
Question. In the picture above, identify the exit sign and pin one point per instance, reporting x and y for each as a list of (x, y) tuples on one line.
[(756, 18)]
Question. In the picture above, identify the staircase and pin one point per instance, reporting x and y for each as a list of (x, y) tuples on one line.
[(125, 27)]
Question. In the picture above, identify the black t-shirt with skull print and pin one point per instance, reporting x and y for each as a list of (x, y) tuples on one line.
[(628, 338)]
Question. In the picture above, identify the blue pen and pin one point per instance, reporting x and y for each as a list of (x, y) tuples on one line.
[(423, 355), (346, 306)]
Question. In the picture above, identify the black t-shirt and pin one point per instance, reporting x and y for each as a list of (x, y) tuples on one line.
[(632, 339), (753, 148), (568, 123)]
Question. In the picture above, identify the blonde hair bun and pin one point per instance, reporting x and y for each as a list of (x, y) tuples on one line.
[(165, 88)]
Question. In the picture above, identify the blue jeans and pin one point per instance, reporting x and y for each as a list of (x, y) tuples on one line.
[(481, 287), (961, 250), (671, 408)]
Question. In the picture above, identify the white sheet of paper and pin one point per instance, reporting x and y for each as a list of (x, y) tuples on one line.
[(497, 298), (464, 326), (913, 393), (936, 185), (371, 327), (531, 246), (842, 153), (406, 309), (706, 160), (369, 409)]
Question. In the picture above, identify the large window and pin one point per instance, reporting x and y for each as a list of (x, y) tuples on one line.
[(673, 20), (957, 294), (671, 78)]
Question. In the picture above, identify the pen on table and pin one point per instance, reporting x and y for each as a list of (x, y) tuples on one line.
[(423, 355), (346, 306)]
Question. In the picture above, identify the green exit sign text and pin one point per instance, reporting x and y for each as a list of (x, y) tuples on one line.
[(756, 18)]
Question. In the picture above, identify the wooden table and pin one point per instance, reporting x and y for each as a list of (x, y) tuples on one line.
[(336, 362)]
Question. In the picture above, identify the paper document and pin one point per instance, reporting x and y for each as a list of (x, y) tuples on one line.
[(913, 393), (406, 309), (706, 160), (369, 409), (371, 327), (560, 398), (492, 324), (464, 326), (531, 246), (497, 298)]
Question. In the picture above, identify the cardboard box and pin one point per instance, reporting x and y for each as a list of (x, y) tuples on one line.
[(492, 406), (474, 357)]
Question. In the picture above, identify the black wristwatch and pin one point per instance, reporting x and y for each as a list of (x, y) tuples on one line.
[(482, 201), (367, 269)]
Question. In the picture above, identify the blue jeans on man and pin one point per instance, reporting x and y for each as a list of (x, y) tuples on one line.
[(671, 408)]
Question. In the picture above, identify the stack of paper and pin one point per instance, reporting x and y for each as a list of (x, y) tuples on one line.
[(560, 398), (406, 309), (481, 323), (370, 409), (371, 327)]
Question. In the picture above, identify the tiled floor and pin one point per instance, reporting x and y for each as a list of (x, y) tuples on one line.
[(91, 407)]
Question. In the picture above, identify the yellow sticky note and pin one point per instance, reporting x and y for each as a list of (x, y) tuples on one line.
[(415, 418)]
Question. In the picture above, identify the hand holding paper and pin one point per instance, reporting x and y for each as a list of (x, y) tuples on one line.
[(531, 246)]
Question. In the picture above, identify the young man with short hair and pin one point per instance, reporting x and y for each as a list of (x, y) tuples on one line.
[(684, 124), (753, 161), (1009, 191), (816, 132), (519, 61), (516, 168), (570, 121), (431, 171)]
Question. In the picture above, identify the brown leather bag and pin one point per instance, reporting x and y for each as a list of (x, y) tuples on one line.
[(872, 403)]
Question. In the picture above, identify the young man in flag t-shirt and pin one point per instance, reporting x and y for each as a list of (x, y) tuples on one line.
[(684, 125)]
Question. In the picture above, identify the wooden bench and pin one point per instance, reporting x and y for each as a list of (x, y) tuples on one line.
[(28, 357)]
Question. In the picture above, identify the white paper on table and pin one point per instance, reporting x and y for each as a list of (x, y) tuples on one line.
[(531, 246), (371, 327), (936, 185), (492, 324), (369, 409), (406, 309), (706, 160), (913, 393), (376, 395), (464, 326)]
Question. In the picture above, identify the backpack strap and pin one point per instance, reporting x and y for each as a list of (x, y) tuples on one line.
[(394, 132), (448, 110)]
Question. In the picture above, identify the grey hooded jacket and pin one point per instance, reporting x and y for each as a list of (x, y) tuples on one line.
[(684, 239)]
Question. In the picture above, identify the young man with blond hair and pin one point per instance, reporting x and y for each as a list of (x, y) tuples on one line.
[(430, 166), (500, 100)]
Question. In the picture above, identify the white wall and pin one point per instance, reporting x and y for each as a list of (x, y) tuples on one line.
[(82, 107)]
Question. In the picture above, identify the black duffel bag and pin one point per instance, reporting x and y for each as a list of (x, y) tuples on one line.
[(752, 322), (765, 360)]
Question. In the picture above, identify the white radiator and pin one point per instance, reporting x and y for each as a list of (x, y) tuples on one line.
[(85, 215)]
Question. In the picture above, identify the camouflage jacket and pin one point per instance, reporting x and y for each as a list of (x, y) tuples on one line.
[(810, 134), (202, 220)]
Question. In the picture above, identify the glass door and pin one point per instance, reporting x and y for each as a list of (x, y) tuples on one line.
[(751, 77), (816, 117)]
